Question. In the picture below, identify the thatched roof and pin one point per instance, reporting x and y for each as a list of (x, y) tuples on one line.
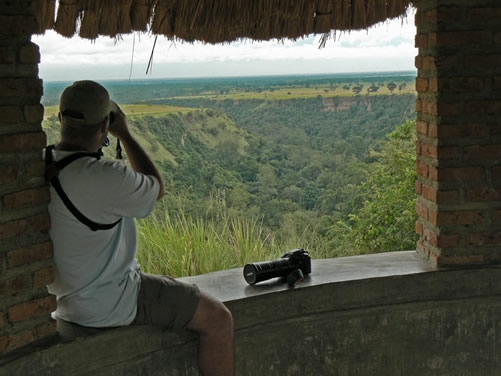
[(214, 21)]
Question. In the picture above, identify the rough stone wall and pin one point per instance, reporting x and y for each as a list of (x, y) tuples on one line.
[(25, 248), (459, 131)]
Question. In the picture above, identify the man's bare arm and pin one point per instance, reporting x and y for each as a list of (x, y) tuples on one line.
[(139, 160)]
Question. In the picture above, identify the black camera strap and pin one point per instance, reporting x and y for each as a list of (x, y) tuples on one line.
[(52, 171)]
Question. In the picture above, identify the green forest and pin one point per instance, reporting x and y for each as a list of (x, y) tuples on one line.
[(333, 172)]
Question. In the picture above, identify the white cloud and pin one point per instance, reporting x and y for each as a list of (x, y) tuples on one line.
[(385, 47)]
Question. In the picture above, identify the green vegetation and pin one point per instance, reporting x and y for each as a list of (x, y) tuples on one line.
[(177, 245), (384, 218), (249, 179)]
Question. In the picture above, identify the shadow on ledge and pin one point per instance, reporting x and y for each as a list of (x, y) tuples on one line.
[(384, 314)]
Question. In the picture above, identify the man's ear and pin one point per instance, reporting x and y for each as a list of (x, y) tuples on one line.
[(59, 116)]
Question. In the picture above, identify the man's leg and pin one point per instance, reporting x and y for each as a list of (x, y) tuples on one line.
[(214, 323)]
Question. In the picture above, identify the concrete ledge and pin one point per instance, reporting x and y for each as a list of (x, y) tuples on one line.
[(383, 314)]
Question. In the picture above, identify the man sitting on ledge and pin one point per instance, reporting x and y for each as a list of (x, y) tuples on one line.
[(98, 282)]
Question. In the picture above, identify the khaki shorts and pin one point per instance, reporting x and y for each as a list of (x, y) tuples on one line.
[(166, 302)]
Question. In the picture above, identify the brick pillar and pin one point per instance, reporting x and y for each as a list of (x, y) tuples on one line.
[(25, 248), (459, 131)]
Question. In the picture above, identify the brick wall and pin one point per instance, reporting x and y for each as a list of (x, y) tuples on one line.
[(25, 248), (459, 131)]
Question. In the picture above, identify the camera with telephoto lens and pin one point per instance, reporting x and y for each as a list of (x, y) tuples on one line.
[(293, 265)]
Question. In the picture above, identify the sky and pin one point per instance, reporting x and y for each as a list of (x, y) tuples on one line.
[(388, 46)]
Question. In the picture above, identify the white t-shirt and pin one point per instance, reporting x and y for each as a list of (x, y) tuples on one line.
[(96, 272)]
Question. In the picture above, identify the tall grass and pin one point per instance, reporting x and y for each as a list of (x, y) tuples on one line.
[(181, 245)]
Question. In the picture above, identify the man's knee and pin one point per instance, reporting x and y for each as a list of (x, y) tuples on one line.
[(224, 317), (211, 315)]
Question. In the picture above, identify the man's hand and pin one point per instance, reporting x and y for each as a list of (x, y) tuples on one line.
[(119, 127)]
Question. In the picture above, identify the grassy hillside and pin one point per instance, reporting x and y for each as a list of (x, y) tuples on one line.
[(287, 155), (159, 126)]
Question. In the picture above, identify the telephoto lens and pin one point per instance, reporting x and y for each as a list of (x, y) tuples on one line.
[(294, 265), (261, 271)]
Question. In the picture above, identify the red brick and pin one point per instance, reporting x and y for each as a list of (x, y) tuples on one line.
[(21, 87), (29, 54), (422, 168), (4, 342), (427, 150), (448, 197), (433, 85), (43, 277), (422, 127), (14, 285), (433, 173), (429, 63), (448, 12), (15, 341), (33, 113), (12, 229), (419, 187), (462, 131), (18, 25), (419, 228), (433, 130), (484, 194), (486, 106), (421, 210), (449, 152), (418, 62), (483, 238), (449, 108), (26, 198), (430, 193), (23, 142), (497, 83), (484, 152), (430, 108), (461, 85), (10, 114), (496, 172), (466, 217), (482, 62), (7, 55), (31, 309), (448, 241), (39, 222), (8, 174), (421, 40), (430, 16), (461, 174), (432, 216), (442, 261), (45, 329), (421, 84), (484, 14), (419, 105), (430, 237), (27, 255), (497, 215), (36, 168), (457, 38)]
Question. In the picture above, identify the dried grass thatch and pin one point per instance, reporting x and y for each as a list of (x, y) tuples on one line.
[(215, 21)]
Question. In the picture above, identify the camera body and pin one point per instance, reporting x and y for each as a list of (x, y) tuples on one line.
[(294, 265)]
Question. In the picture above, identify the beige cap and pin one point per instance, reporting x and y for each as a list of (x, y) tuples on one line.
[(84, 102)]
